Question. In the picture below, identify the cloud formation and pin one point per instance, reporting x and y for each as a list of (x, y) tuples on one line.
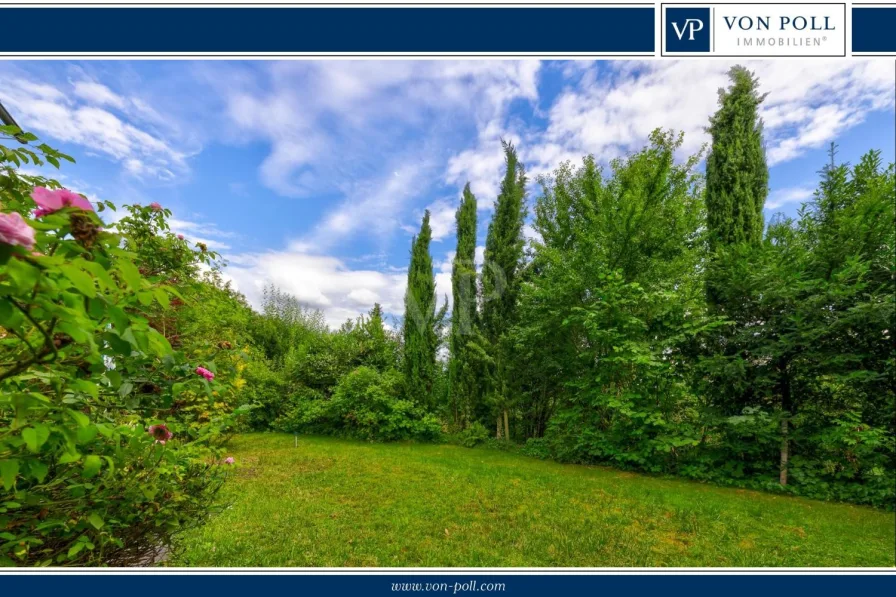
[(91, 115)]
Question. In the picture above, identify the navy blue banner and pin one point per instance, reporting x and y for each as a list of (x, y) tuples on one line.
[(457, 584), (874, 29), (353, 30)]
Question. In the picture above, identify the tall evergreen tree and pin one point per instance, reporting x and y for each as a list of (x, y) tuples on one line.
[(736, 188), (461, 367), (500, 279), (736, 170), (422, 324)]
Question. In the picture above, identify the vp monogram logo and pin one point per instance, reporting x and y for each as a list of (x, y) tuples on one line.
[(691, 26), (687, 30)]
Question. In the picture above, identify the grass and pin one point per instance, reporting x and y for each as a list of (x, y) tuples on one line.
[(332, 502)]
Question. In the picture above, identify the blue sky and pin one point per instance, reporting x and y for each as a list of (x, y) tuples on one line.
[(314, 174)]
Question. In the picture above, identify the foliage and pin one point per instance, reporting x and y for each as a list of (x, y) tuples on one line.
[(470, 436), (95, 467), (499, 288), (366, 404), (462, 367), (620, 358), (813, 307), (736, 171), (422, 327)]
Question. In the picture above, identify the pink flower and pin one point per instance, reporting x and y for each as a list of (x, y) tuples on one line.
[(205, 373), (160, 433), (229, 460), (15, 231), (180, 236), (49, 201), (155, 206)]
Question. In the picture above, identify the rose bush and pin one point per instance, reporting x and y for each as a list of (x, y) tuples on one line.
[(97, 463)]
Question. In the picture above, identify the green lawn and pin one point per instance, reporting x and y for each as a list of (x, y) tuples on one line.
[(332, 502)]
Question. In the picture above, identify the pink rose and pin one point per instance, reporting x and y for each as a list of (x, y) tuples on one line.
[(229, 460), (155, 206), (180, 236), (49, 201), (15, 231), (205, 373)]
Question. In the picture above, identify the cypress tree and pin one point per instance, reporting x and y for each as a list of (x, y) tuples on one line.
[(736, 170), (500, 278), (422, 324), (463, 315)]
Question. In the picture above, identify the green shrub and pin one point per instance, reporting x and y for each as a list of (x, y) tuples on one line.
[(304, 411), (472, 436), (366, 404), (95, 468), (265, 390)]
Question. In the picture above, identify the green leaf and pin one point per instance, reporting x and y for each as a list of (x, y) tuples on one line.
[(87, 387), (87, 434), (92, 465), (162, 297), (38, 470), (130, 274), (96, 520), (81, 280), (100, 273), (8, 471), (80, 418), (125, 389), (118, 345), (35, 437), (23, 274), (6, 312), (68, 457)]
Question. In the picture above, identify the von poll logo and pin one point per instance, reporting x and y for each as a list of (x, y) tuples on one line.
[(754, 30), (687, 29)]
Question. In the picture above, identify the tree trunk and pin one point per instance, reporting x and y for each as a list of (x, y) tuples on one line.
[(506, 426), (498, 434), (787, 407), (785, 452)]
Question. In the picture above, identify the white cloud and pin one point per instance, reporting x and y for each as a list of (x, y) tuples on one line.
[(442, 219), (530, 234), (79, 113), (319, 281), (202, 232), (781, 197), (98, 94), (482, 166), (343, 128), (373, 207), (809, 104)]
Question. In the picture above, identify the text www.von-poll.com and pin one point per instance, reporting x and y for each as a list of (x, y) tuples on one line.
[(470, 586)]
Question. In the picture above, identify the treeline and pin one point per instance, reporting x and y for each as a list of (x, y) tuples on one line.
[(656, 322)]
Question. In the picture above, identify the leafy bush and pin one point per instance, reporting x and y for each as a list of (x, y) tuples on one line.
[(265, 389), (95, 468), (305, 411), (366, 404), (472, 436)]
